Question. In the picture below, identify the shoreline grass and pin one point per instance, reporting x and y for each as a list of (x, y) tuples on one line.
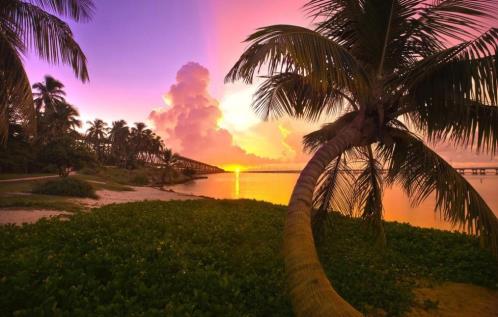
[(215, 257)]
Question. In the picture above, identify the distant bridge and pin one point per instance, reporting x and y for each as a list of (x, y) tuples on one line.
[(183, 163), (477, 170)]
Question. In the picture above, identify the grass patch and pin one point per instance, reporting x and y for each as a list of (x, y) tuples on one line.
[(136, 177), (99, 183), (213, 258), (38, 202), (66, 186)]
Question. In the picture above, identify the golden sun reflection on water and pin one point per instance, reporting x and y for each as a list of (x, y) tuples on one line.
[(277, 188), (237, 183)]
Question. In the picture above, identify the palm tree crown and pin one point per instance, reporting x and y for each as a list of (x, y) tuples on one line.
[(47, 94), (34, 25), (384, 67)]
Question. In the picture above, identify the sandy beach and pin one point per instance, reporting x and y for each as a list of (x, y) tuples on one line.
[(19, 216)]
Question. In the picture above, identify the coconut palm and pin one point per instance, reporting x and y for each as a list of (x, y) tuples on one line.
[(384, 67), (47, 94), (119, 138), (62, 120), (169, 162), (33, 25), (96, 136)]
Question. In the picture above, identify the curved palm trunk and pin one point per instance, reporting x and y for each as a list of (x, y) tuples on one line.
[(310, 290)]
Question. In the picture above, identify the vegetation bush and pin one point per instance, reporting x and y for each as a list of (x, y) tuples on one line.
[(65, 153), (65, 186), (139, 180), (87, 170), (213, 258)]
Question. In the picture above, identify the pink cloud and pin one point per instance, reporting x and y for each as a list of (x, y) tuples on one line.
[(190, 124)]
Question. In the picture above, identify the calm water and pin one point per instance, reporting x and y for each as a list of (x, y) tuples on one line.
[(277, 188)]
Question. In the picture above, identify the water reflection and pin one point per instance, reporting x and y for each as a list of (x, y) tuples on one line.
[(277, 188), (237, 183)]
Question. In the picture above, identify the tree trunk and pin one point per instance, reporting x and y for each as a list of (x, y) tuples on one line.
[(311, 292)]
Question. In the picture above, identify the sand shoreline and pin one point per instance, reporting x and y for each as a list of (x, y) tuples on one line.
[(18, 216)]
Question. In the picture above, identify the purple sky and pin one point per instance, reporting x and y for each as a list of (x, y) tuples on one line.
[(134, 49)]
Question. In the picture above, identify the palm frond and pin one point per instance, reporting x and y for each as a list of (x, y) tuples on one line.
[(475, 127), (295, 49), (297, 96), (464, 71), (421, 171), (78, 10), (16, 89), (314, 140), (456, 19), (334, 191), (50, 37), (368, 192)]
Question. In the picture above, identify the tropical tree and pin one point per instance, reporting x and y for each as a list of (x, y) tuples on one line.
[(47, 94), (390, 70), (119, 138), (169, 162), (62, 119), (33, 25), (96, 136)]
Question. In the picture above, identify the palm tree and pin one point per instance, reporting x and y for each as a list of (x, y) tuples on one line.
[(34, 25), (96, 135), (63, 119), (48, 94), (385, 67), (119, 138), (169, 162)]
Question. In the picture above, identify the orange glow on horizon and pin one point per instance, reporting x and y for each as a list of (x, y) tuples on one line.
[(236, 168)]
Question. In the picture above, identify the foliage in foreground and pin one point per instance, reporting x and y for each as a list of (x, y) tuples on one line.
[(213, 258), (65, 186)]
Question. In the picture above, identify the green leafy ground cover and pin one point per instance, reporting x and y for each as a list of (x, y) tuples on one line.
[(213, 258)]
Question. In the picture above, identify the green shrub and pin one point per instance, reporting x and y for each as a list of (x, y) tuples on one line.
[(89, 171), (139, 180), (213, 258), (65, 186)]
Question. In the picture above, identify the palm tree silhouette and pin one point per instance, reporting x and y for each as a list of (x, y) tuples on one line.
[(62, 120), (96, 136), (119, 138), (385, 67), (48, 93), (169, 161), (34, 25)]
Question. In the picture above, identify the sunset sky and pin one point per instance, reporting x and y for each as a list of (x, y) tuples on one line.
[(163, 62)]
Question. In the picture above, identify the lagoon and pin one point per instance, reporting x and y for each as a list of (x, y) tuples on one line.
[(277, 187)]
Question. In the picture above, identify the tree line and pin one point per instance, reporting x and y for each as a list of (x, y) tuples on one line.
[(57, 145)]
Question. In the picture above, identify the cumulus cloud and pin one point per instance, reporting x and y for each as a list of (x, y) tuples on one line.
[(189, 122)]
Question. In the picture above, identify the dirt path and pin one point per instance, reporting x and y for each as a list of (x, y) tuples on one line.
[(11, 180), (35, 178)]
